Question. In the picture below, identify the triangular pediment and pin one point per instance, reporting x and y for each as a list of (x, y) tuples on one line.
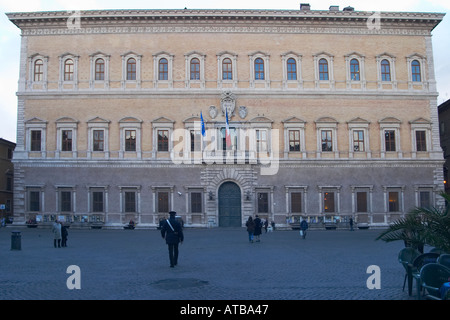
[(323, 53), (35, 120), (358, 120), (293, 120), (420, 121), (416, 55), (385, 54), (66, 120), (162, 120), (261, 119)]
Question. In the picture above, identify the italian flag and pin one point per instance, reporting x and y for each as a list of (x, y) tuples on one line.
[(227, 132)]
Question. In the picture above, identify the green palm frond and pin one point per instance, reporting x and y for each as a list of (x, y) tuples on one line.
[(422, 226)]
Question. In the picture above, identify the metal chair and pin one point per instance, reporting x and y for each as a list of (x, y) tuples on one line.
[(433, 276), (415, 267), (406, 256), (444, 259)]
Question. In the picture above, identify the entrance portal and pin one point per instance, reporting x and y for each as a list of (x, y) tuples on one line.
[(230, 205)]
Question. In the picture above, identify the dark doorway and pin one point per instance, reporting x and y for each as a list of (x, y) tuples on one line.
[(230, 205)]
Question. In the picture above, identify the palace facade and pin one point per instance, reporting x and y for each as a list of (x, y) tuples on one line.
[(122, 115)]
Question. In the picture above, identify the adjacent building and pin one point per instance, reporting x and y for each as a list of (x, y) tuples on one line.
[(6, 179), (222, 114)]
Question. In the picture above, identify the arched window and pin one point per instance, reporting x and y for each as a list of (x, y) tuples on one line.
[(323, 69), (415, 71), (259, 69), (195, 69), (385, 70), (68, 70), (354, 70), (163, 69), (227, 71), (131, 69), (99, 69), (291, 69), (38, 70)]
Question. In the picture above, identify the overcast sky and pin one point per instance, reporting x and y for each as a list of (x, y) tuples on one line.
[(10, 34)]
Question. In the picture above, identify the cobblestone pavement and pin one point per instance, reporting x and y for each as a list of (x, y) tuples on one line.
[(214, 264)]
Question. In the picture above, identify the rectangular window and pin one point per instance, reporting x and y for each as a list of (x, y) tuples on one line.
[(425, 199), (328, 202), (66, 140), (163, 202), (163, 140), (130, 140), (327, 140), (263, 202), (196, 202), (99, 140), (421, 141), (394, 201), (66, 201), (261, 140), (34, 201), (358, 140), (389, 138), (35, 140), (130, 201), (9, 183), (195, 141), (296, 202), (361, 202), (97, 201), (294, 140)]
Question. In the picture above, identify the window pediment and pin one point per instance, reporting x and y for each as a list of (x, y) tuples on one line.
[(326, 120), (163, 120), (389, 120), (130, 120), (420, 121), (293, 120), (35, 121), (66, 120), (98, 120), (358, 120)]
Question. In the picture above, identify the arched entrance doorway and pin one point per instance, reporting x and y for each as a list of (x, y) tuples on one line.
[(230, 205)]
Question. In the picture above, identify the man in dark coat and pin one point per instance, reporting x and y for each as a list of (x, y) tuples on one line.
[(172, 231), (258, 227)]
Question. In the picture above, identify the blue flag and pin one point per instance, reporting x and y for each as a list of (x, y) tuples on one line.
[(203, 125)]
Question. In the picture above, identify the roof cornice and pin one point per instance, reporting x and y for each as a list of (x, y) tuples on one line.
[(188, 17)]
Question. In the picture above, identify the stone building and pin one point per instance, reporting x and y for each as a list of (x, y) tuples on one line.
[(331, 114), (6, 178)]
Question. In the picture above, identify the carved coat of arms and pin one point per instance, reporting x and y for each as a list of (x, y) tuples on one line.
[(228, 103)]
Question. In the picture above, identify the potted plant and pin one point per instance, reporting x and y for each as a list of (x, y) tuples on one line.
[(422, 226)]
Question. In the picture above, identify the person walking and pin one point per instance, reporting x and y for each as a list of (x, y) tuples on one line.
[(172, 231), (351, 224), (258, 228), (303, 228), (57, 234), (250, 224)]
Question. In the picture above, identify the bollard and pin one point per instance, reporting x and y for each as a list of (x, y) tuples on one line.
[(16, 241)]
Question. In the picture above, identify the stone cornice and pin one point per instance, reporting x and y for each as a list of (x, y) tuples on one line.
[(274, 21)]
